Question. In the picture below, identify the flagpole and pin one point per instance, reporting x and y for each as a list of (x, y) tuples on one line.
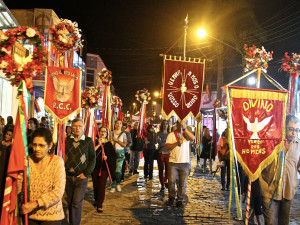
[(185, 34)]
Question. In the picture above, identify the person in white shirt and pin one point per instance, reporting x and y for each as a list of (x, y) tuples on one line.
[(179, 162)]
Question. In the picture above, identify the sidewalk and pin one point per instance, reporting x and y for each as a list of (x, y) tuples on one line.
[(141, 202)]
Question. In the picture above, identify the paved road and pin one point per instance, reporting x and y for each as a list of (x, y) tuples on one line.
[(141, 202)]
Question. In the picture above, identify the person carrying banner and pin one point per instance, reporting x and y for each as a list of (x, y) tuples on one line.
[(79, 162), (105, 167), (119, 142), (135, 151), (179, 162), (279, 210), (47, 181)]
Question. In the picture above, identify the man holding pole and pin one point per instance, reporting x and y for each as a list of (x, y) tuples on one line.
[(277, 211), (179, 162)]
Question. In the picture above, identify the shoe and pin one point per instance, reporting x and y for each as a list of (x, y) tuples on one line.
[(113, 190), (162, 189), (150, 178), (99, 210), (118, 188), (170, 202), (130, 171), (179, 204), (222, 189), (135, 172), (227, 188), (122, 180)]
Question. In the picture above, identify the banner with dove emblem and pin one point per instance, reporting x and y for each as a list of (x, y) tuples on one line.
[(62, 92), (182, 86), (257, 126)]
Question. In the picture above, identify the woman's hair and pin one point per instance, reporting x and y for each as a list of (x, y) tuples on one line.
[(2, 121), (7, 130), (163, 124), (43, 132), (35, 121), (149, 127), (10, 120), (206, 132), (67, 128), (105, 129)]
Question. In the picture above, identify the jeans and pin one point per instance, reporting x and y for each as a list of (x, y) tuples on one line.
[(99, 183), (148, 162), (125, 164), (163, 161), (223, 172), (75, 189), (134, 160), (278, 213), (180, 172), (39, 222), (119, 164)]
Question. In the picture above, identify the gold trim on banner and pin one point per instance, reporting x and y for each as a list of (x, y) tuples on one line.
[(75, 112), (194, 60), (243, 93)]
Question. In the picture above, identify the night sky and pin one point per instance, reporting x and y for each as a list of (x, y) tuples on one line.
[(129, 35)]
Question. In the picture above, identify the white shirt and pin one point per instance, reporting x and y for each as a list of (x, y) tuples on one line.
[(179, 154), (121, 138)]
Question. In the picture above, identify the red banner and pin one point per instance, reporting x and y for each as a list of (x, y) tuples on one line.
[(183, 83), (258, 120), (63, 92)]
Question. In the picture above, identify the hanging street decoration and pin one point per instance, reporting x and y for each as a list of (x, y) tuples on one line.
[(143, 96), (63, 92), (105, 78), (292, 66), (17, 68), (66, 35), (257, 58), (182, 85)]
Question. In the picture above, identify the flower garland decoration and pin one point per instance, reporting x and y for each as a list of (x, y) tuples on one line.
[(90, 97), (16, 68), (66, 35), (257, 58), (223, 114), (291, 64), (217, 103), (143, 96), (105, 76), (117, 102)]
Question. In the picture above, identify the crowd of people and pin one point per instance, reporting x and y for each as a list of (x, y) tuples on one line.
[(116, 151)]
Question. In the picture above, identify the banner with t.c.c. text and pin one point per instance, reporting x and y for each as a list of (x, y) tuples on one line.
[(62, 92), (183, 83), (258, 126)]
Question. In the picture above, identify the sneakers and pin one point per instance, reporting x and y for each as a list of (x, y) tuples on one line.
[(223, 189), (130, 171), (135, 172), (118, 188), (162, 189), (179, 204), (113, 190)]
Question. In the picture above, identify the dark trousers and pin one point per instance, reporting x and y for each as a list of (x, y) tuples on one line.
[(163, 161), (223, 172), (75, 189), (126, 161), (278, 213), (39, 222), (99, 183), (148, 162)]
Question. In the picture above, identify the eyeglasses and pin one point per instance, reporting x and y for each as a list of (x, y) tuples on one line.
[(292, 129), (40, 145)]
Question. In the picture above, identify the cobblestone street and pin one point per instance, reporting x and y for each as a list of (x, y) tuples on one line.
[(141, 202)]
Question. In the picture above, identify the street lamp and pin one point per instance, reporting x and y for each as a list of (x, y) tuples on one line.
[(156, 93)]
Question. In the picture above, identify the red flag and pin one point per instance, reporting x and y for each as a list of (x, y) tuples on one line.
[(15, 166)]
